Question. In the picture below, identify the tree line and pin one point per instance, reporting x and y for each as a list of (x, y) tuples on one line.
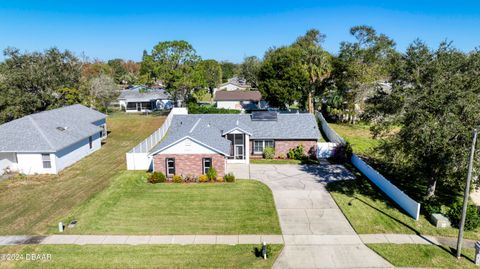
[(422, 102)]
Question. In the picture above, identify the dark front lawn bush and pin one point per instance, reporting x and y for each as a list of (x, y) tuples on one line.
[(156, 177), (473, 218), (229, 177), (432, 206), (296, 153), (343, 153), (268, 153), (212, 174), (196, 109)]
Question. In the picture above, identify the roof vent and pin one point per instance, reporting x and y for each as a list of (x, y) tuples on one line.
[(62, 128)]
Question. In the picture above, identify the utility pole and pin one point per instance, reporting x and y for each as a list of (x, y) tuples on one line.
[(466, 194)]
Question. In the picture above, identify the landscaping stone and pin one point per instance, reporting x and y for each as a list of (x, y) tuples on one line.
[(440, 221)]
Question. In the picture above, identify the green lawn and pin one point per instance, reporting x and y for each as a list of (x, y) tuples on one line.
[(358, 135), (29, 205), (369, 212), (425, 256), (151, 256), (132, 206)]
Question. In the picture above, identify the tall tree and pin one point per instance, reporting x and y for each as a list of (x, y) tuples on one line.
[(434, 102), (316, 61), (249, 70), (358, 69), (282, 76), (173, 62), (118, 70), (229, 70), (32, 82), (103, 91), (211, 71)]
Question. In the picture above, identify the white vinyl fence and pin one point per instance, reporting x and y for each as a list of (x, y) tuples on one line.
[(398, 196), (326, 149), (137, 157)]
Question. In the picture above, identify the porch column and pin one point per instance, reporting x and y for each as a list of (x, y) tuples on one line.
[(247, 148)]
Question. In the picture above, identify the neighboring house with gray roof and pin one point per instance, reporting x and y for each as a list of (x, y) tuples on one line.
[(196, 142), (49, 141), (233, 84), (141, 99)]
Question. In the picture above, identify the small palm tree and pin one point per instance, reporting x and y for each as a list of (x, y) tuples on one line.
[(318, 66)]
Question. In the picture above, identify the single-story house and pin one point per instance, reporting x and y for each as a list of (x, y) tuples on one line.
[(233, 84), (49, 141), (139, 99), (196, 142), (238, 99)]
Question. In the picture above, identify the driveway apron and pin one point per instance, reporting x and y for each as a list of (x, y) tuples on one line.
[(315, 231)]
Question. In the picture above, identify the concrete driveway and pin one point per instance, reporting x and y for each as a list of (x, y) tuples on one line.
[(316, 233)]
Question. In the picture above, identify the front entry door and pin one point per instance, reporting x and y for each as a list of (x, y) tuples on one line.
[(239, 152)]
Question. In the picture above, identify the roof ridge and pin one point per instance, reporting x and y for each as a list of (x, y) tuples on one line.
[(40, 131)]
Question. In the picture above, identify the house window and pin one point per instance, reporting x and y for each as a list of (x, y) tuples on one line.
[(90, 142), (207, 164), (170, 163), (260, 145), (47, 163)]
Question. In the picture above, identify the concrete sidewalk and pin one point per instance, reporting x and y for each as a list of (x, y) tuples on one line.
[(316, 233), (140, 240)]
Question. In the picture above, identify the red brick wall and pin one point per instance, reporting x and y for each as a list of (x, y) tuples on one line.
[(189, 164), (283, 146)]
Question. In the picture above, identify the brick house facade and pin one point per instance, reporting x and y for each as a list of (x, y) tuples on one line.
[(189, 164), (283, 146)]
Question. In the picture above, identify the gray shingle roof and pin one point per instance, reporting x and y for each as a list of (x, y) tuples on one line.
[(143, 95), (40, 132), (208, 129)]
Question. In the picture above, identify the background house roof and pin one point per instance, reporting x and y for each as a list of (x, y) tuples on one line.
[(140, 94), (238, 95), (49, 131), (208, 129)]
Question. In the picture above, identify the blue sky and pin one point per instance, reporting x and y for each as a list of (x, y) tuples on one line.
[(226, 30)]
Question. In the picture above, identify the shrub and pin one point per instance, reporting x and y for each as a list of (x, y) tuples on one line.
[(229, 177), (296, 153), (202, 178), (432, 206), (343, 153), (156, 177), (177, 179), (268, 153), (472, 220), (212, 174), (219, 179), (189, 178), (196, 109)]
